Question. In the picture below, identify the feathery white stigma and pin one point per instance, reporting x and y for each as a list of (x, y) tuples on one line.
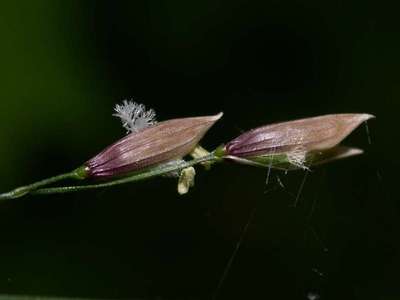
[(134, 116)]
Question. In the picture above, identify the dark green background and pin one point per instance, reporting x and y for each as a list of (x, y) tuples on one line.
[(65, 64)]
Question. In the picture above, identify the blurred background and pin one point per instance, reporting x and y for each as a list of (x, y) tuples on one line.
[(65, 64)]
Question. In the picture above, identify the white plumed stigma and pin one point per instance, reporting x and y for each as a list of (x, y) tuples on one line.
[(134, 116)]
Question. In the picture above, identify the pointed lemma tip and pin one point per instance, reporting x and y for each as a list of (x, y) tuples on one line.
[(366, 117), (357, 119), (217, 116), (350, 151), (214, 118), (344, 151)]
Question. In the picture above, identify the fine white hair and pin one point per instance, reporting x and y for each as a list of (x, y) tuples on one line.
[(134, 116)]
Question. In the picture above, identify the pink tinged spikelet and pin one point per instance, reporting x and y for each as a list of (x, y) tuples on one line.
[(159, 143), (295, 138)]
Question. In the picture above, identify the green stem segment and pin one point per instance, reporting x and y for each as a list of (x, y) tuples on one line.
[(80, 173)]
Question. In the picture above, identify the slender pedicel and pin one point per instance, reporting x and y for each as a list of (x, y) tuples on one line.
[(152, 172), (78, 173)]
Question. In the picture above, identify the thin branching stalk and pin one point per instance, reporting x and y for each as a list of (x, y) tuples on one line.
[(23, 190), (152, 172)]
